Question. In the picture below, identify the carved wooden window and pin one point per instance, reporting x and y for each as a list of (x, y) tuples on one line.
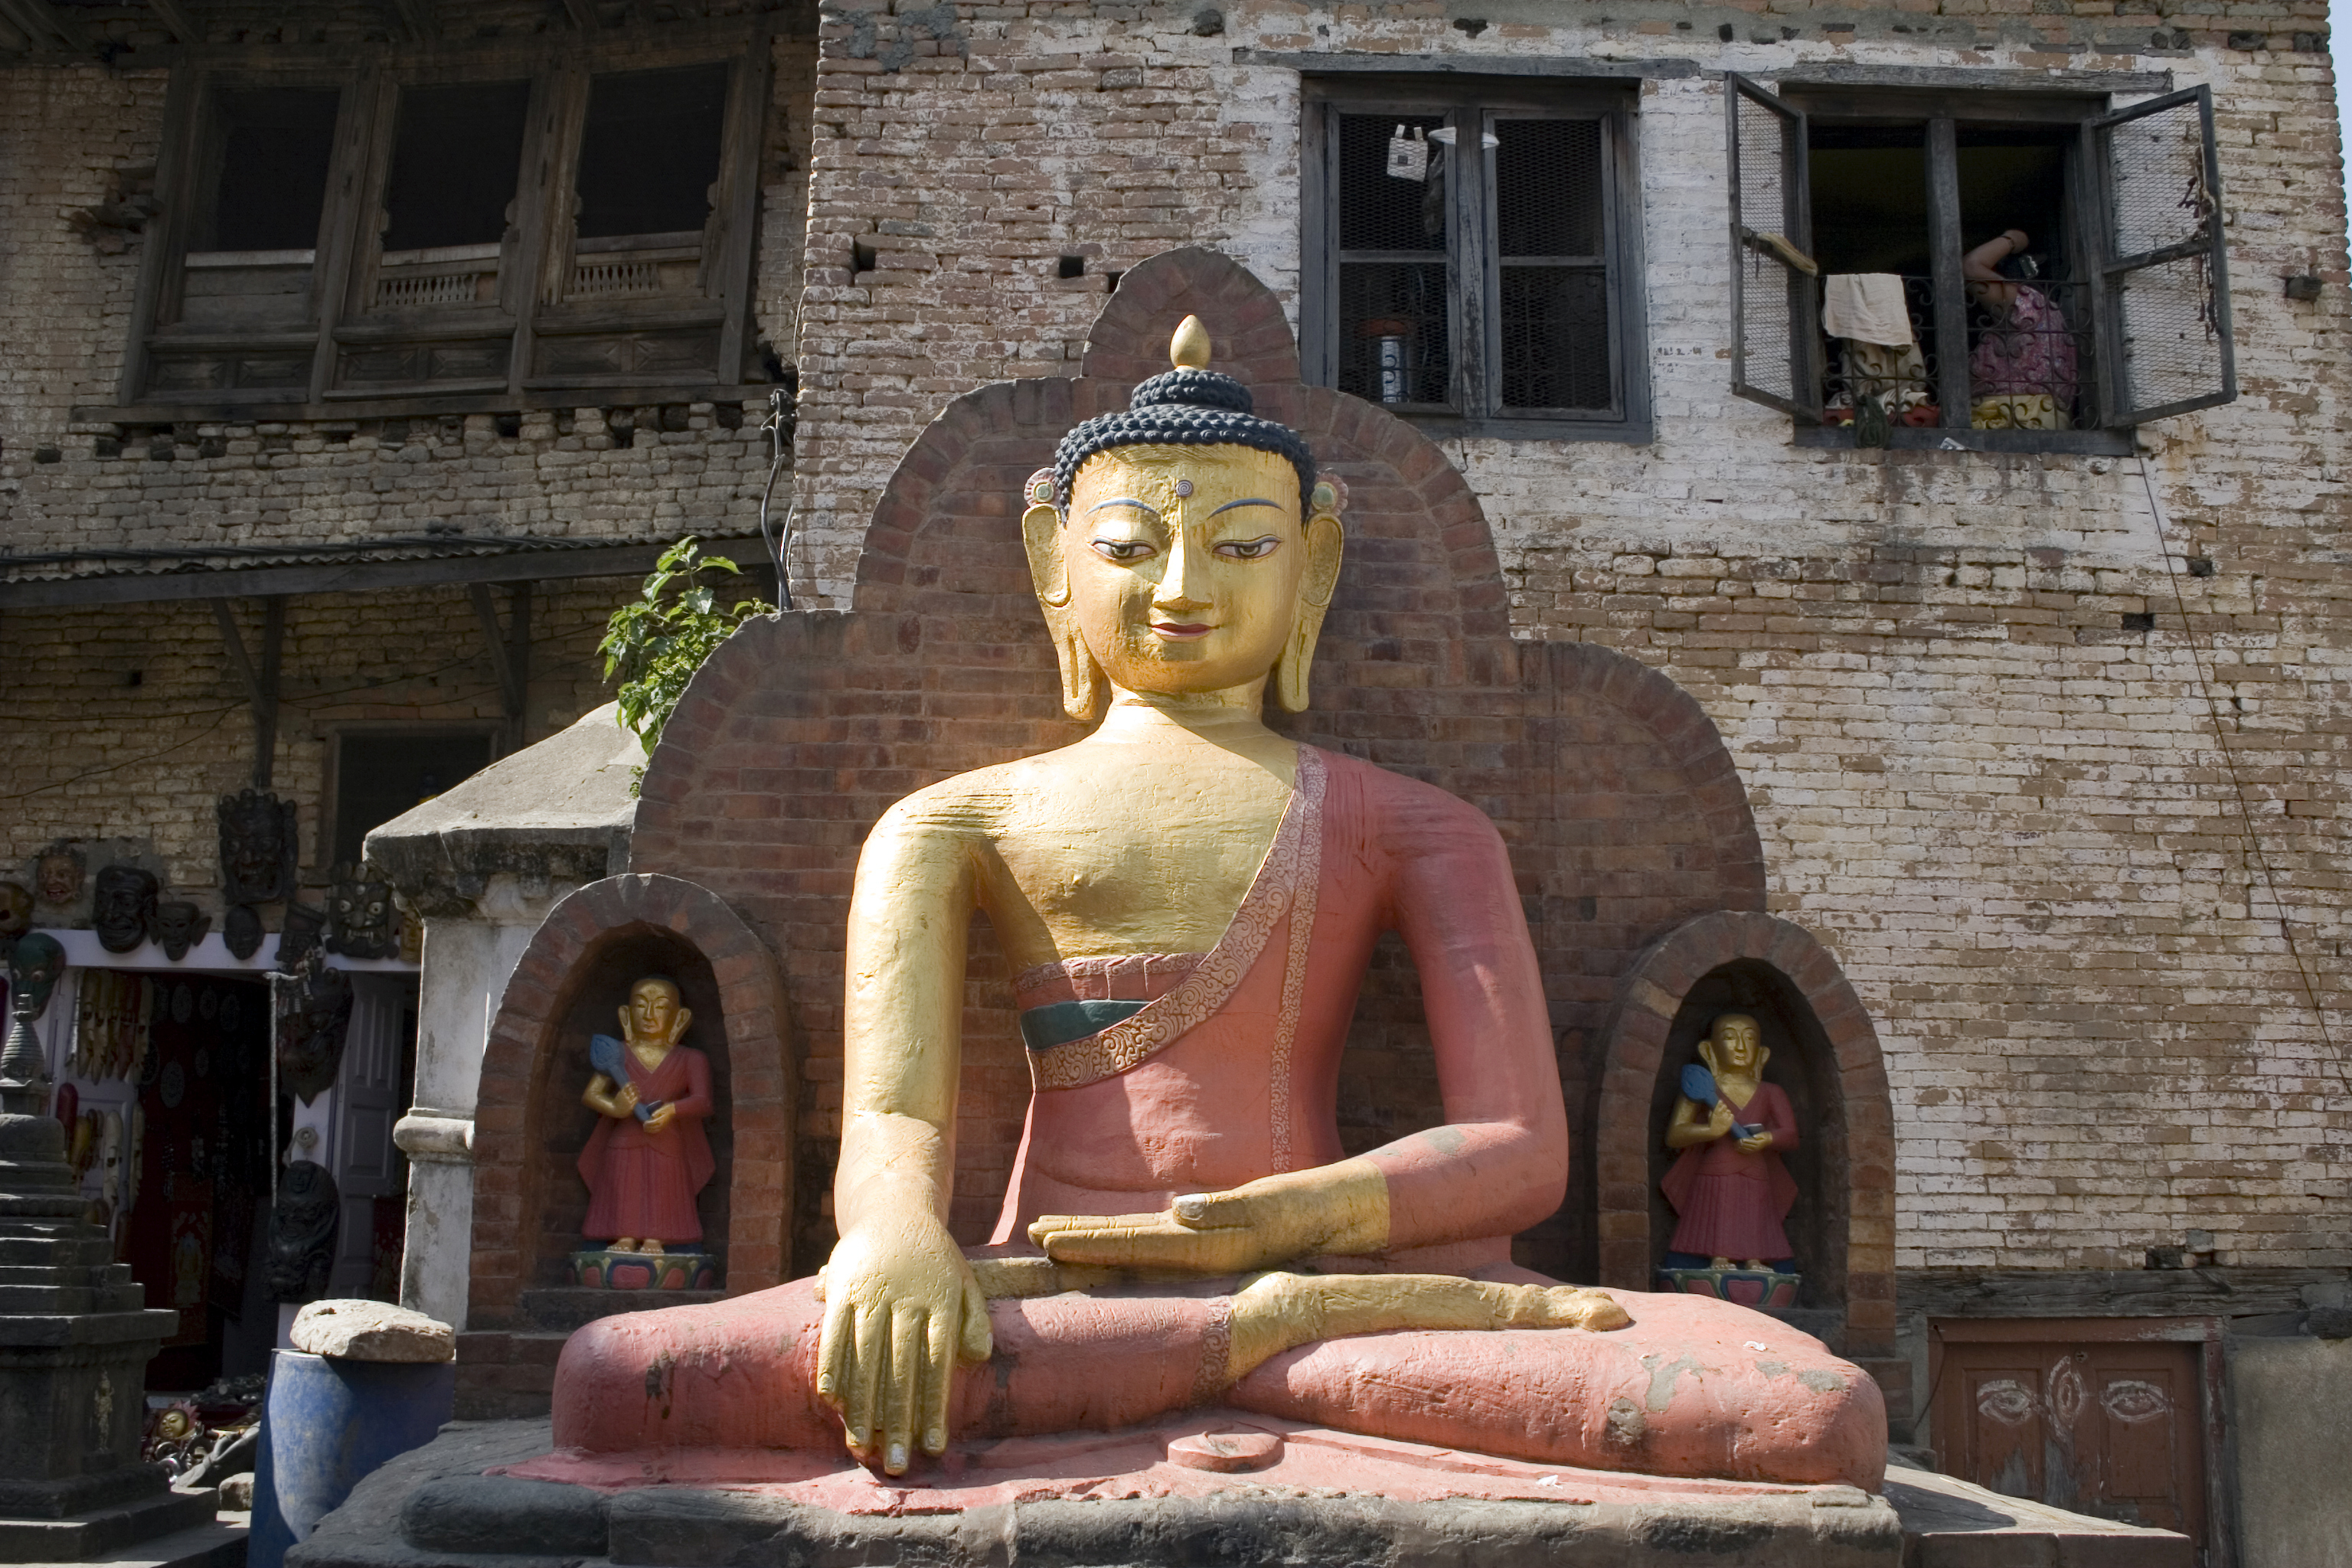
[(514, 229), (2124, 257), (1472, 253)]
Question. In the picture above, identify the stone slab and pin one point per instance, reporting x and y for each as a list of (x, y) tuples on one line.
[(2290, 1401), (1100, 1499), (84, 1537), (1951, 1523), (218, 1544), (372, 1332)]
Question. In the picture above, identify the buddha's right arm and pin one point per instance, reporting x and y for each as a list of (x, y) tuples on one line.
[(901, 1301)]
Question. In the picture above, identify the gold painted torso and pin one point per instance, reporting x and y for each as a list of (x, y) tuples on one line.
[(1109, 848)]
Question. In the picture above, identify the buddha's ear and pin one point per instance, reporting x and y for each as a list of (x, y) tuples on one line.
[(678, 1024), (1326, 544), (1706, 1055), (1763, 1054), (1084, 686)]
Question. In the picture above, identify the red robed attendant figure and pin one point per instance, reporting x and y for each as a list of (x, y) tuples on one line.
[(643, 1173)]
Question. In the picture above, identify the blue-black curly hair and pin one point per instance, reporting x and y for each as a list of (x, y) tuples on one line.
[(1184, 407)]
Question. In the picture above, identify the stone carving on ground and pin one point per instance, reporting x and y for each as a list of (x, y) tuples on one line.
[(650, 1154), (1729, 1185), (1188, 902)]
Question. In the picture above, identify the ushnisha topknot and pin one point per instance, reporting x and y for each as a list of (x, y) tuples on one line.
[(1190, 405)]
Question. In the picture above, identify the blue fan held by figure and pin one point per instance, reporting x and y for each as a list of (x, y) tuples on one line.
[(609, 1056), (1699, 1084)]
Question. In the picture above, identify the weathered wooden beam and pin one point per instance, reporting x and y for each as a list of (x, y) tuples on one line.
[(494, 640), (583, 14), (46, 26), (261, 683), (417, 17), (2109, 1293), (174, 15), (359, 576)]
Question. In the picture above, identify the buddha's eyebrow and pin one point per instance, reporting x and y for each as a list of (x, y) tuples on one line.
[(1122, 500), (1251, 500)]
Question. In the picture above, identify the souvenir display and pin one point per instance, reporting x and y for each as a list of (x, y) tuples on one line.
[(124, 907), (257, 847), (34, 967), (304, 923), (314, 1007), (177, 926), (301, 1246), (15, 911), (360, 917), (241, 930), (58, 873)]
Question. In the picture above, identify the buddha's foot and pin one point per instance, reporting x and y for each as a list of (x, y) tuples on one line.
[(1276, 1312), (651, 1249), (624, 1244)]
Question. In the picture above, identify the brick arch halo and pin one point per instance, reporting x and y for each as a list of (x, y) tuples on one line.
[(1649, 994), (524, 1047)]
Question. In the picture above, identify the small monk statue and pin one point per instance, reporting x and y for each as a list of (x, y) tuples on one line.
[(643, 1171), (1729, 1185), (1188, 903)]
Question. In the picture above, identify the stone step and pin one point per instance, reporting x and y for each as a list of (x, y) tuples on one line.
[(80, 1538)]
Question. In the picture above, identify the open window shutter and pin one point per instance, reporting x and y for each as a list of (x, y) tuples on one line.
[(2163, 269), (1774, 341)]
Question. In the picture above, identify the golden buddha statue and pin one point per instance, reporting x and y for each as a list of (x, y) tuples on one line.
[(1188, 902)]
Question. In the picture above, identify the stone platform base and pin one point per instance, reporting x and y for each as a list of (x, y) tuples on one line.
[(1212, 1489), (82, 1537)]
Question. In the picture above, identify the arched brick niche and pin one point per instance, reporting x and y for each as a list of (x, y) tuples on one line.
[(1825, 1055), (529, 1126), (1624, 813)]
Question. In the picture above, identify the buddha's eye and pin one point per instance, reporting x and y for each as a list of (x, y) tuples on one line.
[(1123, 548), (1249, 549)]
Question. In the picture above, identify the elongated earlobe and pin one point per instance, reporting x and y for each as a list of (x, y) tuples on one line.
[(1084, 688), (1325, 544)]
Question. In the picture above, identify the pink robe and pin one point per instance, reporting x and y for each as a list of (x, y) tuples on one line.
[(641, 1183), (1231, 1073), (1732, 1202)]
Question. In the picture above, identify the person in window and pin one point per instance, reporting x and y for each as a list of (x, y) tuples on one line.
[(2021, 372)]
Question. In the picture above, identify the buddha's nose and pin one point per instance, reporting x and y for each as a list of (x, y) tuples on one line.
[(1183, 586)]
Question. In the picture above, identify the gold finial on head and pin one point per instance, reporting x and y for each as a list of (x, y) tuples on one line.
[(1189, 346)]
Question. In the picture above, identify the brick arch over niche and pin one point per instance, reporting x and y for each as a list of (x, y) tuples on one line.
[(592, 946), (1826, 1056), (1624, 813)]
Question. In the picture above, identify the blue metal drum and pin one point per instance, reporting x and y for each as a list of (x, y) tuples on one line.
[(327, 1423)]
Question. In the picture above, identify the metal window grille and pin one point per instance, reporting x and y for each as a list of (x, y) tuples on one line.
[(1396, 244), (1552, 302)]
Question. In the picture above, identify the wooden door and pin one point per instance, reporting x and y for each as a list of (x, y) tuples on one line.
[(2115, 1429), (368, 1101)]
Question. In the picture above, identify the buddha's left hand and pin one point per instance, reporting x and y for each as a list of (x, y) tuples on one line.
[(1341, 1208)]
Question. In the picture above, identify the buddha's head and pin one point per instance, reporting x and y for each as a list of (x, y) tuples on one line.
[(1183, 548), (1735, 1047), (655, 1012)]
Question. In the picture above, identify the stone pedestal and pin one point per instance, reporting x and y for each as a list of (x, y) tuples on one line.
[(76, 1336)]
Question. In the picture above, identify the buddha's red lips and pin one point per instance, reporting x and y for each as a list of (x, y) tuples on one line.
[(1182, 629)]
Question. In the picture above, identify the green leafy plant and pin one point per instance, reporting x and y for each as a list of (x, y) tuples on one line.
[(655, 644)]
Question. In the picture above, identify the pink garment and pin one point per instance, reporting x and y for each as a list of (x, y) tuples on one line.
[(2031, 351), (1732, 1202), (642, 1183)]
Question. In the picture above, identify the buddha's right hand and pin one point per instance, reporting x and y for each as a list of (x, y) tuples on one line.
[(900, 1308)]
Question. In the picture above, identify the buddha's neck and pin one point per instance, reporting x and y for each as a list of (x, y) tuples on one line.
[(1228, 719)]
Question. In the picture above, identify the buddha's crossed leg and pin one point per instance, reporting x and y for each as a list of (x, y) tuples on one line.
[(1689, 1387)]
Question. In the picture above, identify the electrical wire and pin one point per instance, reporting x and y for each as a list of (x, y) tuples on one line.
[(2254, 849), (778, 547)]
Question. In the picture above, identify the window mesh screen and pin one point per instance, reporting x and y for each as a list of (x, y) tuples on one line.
[(454, 163), (270, 180), (1764, 318), (2158, 174), (1395, 340), (1763, 181), (649, 150), (1547, 188), (1552, 299), (2171, 351)]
